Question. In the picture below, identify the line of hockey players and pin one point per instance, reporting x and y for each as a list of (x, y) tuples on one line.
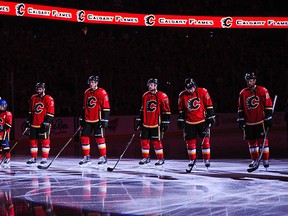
[(196, 116)]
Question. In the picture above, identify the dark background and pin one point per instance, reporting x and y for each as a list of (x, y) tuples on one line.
[(61, 55)]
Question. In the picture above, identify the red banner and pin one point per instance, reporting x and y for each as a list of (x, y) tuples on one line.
[(158, 20)]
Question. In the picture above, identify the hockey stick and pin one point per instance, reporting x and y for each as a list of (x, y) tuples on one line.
[(14, 145), (252, 169), (198, 152), (46, 167), (110, 169)]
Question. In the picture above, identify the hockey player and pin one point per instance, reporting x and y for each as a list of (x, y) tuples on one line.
[(154, 119), (40, 116), (254, 117), (95, 117), (5, 127), (196, 115)]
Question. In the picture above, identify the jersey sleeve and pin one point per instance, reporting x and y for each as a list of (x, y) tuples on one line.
[(207, 99), (8, 123), (267, 100), (268, 104), (104, 101), (208, 104), (181, 103), (241, 107), (165, 108), (105, 105), (50, 109)]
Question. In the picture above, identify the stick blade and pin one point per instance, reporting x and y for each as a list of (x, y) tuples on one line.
[(110, 169), (191, 167), (42, 167), (252, 169)]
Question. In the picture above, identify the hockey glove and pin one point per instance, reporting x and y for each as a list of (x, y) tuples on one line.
[(268, 119), (210, 121), (164, 126), (1, 128), (45, 126), (268, 123), (137, 123), (181, 124), (104, 123), (210, 117), (242, 124), (181, 121), (81, 121), (27, 124)]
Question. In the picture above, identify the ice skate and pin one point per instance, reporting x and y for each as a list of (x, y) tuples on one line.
[(160, 162), (192, 165), (85, 161), (266, 164), (6, 163), (32, 162), (43, 161), (144, 161), (207, 163), (102, 160), (253, 163)]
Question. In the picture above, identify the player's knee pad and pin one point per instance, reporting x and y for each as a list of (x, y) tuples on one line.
[(85, 140), (145, 144), (261, 140), (157, 144), (206, 143), (100, 140), (191, 144), (46, 143), (252, 143), (33, 143)]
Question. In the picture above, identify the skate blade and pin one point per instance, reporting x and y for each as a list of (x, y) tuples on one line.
[(6, 166), (85, 165), (191, 169), (145, 166), (32, 165)]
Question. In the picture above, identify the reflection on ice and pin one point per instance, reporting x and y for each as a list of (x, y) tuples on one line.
[(225, 189)]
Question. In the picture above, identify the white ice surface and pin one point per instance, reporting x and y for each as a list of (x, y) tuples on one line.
[(225, 189)]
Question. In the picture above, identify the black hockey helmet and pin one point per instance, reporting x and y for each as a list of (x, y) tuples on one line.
[(153, 80), (250, 75), (93, 78), (4, 104), (189, 83), (40, 85)]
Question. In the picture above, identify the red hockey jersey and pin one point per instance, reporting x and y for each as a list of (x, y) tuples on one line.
[(6, 122), (154, 106), (40, 109), (194, 105), (95, 102), (253, 104)]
